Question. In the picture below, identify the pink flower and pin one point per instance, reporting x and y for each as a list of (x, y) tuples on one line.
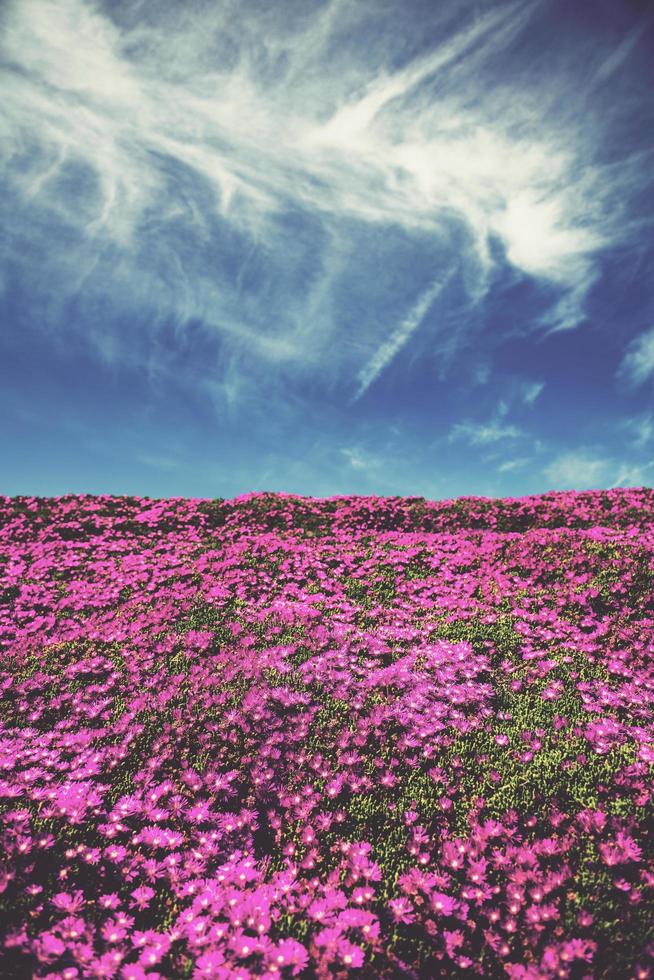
[(443, 904), (72, 928), (453, 854), (209, 965), (516, 971), (51, 945), (578, 949), (68, 903), (134, 971), (349, 954), (142, 897), (287, 953), (621, 850), (151, 955), (477, 870), (362, 895), (592, 820), (113, 931), (244, 945), (453, 941), (109, 901), (361, 919), (105, 966), (401, 910), (329, 938), (320, 910)]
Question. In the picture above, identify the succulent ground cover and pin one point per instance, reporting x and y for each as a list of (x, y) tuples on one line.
[(278, 737)]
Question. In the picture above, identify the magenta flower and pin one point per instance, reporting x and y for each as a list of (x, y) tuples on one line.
[(142, 897), (578, 949), (151, 955), (65, 902), (113, 931), (320, 910), (453, 941), (443, 904), (362, 895), (51, 945), (350, 954), (243, 944), (329, 939), (72, 928), (401, 910), (209, 965), (105, 966), (621, 850), (134, 971), (288, 953), (109, 901)]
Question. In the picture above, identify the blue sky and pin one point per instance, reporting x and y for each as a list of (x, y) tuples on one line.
[(326, 246)]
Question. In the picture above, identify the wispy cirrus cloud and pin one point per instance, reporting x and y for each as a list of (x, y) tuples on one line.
[(531, 391), (300, 200), (483, 434), (638, 362), (511, 465), (578, 469), (494, 430), (399, 337), (640, 428), (584, 469), (359, 459)]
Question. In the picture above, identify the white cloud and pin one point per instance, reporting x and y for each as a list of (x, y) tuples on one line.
[(620, 53), (481, 373), (176, 145), (393, 344), (638, 363), (483, 434), (157, 462), (578, 470), (531, 390), (359, 459), (584, 470), (511, 465), (634, 475), (641, 429), (495, 430), (541, 240)]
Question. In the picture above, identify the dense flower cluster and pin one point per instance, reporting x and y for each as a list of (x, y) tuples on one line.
[(278, 737)]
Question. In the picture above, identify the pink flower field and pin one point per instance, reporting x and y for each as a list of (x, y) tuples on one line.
[(280, 737)]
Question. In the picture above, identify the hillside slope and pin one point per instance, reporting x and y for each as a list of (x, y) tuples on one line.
[(276, 737)]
